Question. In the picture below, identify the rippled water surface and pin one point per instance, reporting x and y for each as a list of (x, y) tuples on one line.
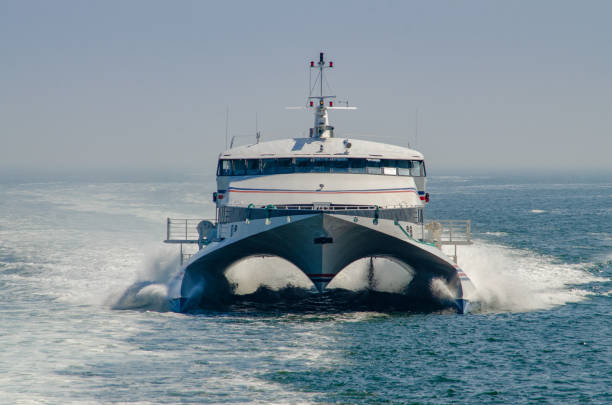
[(83, 281)]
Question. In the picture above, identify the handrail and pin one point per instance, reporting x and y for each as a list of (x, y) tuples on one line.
[(449, 231), (316, 207), (183, 230)]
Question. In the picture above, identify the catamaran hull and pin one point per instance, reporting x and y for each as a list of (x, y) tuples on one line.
[(321, 245)]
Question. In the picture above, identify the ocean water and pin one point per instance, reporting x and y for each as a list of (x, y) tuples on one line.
[(83, 316)]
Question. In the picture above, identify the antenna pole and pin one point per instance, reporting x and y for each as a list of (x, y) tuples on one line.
[(226, 124), (416, 129), (321, 128), (257, 134), (321, 64)]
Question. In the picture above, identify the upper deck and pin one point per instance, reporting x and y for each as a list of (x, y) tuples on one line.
[(335, 171), (321, 147)]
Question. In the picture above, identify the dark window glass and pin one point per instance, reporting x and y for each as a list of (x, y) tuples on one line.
[(373, 166), (284, 165), (340, 165), (267, 166), (238, 167), (389, 167), (225, 168), (416, 168), (321, 165), (252, 166), (241, 167), (303, 165), (403, 167), (358, 165)]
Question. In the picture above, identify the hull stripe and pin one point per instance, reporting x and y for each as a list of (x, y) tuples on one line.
[(288, 191)]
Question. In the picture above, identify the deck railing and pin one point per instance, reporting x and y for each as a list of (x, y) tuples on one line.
[(449, 231), (183, 230), (444, 232)]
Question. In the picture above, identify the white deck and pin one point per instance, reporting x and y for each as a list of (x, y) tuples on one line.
[(321, 147)]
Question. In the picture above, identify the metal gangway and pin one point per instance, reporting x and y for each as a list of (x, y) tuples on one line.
[(444, 232)]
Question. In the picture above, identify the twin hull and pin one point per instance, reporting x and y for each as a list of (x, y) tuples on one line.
[(320, 245)]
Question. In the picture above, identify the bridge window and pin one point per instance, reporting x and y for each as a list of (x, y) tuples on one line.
[(238, 167), (303, 165), (403, 167), (284, 165), (321, 165), (340, 165), (389, 167), (253, 167), (357, 165), (224, 168), (373, 166), (418, 168), (267, 166)]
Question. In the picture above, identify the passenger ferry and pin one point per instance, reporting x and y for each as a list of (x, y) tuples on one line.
[(321, 203)]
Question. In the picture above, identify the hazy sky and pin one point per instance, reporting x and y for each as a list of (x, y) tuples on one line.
[(145, 84)]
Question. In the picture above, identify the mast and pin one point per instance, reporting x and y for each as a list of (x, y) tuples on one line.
[(321, 128)]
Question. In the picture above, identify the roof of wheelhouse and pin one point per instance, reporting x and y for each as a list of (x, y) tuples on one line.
[(321, 147)]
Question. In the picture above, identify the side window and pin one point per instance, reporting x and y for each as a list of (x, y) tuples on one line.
[(340, 165), (358, 165), (416, 168), (303, 165), (284, 165), (239, 167), (389, 167), (267, 166), (252, 166), (403, 167), (373, 166), (321, 165), (225, 168)]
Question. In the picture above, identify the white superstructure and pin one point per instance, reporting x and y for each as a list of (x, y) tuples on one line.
[(320, 202), (332, 170)]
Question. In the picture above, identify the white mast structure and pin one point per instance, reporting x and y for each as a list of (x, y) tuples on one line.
[(322, 129)]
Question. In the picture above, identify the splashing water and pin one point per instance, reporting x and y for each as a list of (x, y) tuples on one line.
[(506, 280), (275, 273), (388, 276), (440, 289), (150, 290), (517, 280)]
